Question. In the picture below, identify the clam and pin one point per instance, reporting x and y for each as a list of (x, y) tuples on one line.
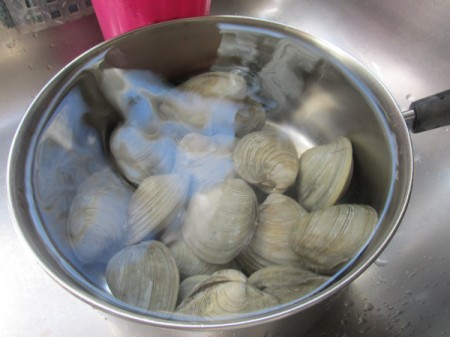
[(157, 202), (96, 221), (277, 216), (205, 159), (121, 86), (222, 276), (139, 154), (190, 264), (188, 284), (230, 85), (220, 221), (267, 159), (330, 237), (213, 103), (202, 114), (250, 117), (286, 283), (226, 298), (324, 174), (144, 275)]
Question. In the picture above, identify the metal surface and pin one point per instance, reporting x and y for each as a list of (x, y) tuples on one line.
[(405, 293), (340, 98)]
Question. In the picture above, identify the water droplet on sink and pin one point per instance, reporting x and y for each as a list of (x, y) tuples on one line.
[(30, 66), (52, 45), (410, 97), (368, 307), (348, 303), (11, 44), (35, 34), (381, 262), (49, 67)]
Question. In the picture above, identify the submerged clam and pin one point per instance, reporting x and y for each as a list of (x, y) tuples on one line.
[(190, 264), (223, 293), (188, 284), (144, 275), (250, 117), (213, 103), (226, 299), (330, 237), (267, 159), (157, 202), (324, 174), (286, 283), (122, 86), (218, 84), (220, 221), (96, 221), (139, 154), (207, 160), (277, 216)]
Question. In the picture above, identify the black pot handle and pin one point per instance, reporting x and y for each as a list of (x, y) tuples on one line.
[(429, 113)]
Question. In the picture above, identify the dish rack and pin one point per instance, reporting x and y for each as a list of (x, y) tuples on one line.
[(35, 15)]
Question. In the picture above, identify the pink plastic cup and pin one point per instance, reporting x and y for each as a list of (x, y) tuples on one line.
[(119, 16)]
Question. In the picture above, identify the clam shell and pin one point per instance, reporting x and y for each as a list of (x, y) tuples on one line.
[(204, 114), (250, 117), (286, 283), (226, 299), (188, 284), (122, 86), (139, 154), (328, 238), (190, 264), (96, 221), (324, 174), (220, 221), (277, 216), (213, 103), (206, 160), (157, 202), (144, 275), (221, 276), (230, 85), (266, 159)]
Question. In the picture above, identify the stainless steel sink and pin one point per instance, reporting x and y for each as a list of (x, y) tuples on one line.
[(405, 43)]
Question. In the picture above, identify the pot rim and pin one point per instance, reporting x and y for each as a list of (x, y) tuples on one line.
[(19, 148)]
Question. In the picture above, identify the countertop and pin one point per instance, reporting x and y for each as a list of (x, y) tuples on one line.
[(406, 43)]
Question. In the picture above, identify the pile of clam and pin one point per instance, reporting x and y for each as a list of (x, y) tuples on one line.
[(208, 210)]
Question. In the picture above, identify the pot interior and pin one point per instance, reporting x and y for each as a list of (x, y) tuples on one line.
[(312, 91)]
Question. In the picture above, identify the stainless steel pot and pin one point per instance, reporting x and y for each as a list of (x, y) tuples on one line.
[(323, 93)]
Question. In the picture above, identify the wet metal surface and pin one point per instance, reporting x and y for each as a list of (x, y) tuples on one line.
[(406, 44)]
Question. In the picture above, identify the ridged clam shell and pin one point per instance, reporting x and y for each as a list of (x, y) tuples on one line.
[(266, 159), (324, 174), (96, 221), (277, 216), (206, 160), (250, 117), (286, 283), (213, 103), (122, 86), (144, 275), (217, 84), (190, 264), (226, 299), (220, 221), (188, 284), (328, 238), (157, 202), (139, 154)]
